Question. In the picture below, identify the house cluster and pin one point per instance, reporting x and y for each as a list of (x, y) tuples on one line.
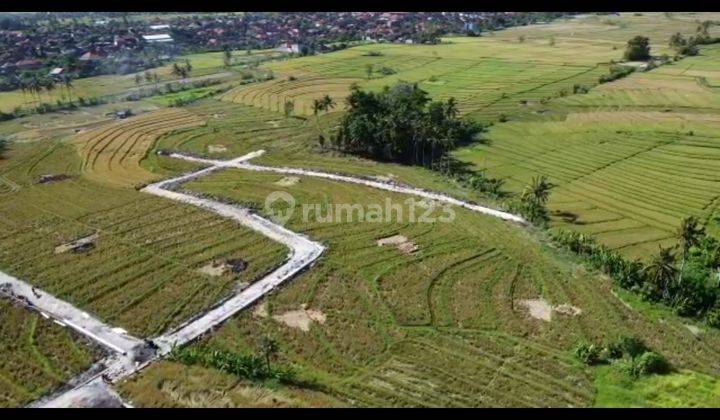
[(118, 43), (283, 30)]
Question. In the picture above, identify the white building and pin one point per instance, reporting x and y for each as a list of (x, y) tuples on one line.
[(157, 38)]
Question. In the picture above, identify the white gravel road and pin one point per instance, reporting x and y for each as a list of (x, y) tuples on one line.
[(133, 354)]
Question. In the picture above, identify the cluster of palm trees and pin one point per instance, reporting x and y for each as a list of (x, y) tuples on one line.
[(35, 85), (665, 279), (663, 271)]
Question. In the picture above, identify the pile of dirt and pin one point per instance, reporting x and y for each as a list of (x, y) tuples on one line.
[(288, 181), (301, 318), (214, 269), (540, 309), (48, 178), (568, 310), (537, 308), (78, 246), (218, 268), (216, 148), (400, 242)]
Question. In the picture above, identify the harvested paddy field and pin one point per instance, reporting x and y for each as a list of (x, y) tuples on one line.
[(38, 356), (440, 326), (141, 270)]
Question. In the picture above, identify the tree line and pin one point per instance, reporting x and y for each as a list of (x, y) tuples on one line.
[(685, 277)]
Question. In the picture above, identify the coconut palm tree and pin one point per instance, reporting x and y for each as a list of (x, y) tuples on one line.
[(67, 81), (661, 271), (538, 191), (689, 235)]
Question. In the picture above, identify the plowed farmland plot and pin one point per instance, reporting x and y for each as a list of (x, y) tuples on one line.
[(143, 272), (435, 326), (37, 355)]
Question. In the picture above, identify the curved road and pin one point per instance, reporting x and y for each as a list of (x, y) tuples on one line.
[(133, 354)]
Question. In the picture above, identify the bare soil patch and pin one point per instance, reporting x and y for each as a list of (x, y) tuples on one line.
[(216, 148), (402, 243), (288, 181), (218, 268), (539, 308), (215, 268), (261, 311), (301, 318), (78, 246)]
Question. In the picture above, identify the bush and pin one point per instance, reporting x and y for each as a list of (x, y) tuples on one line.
[(616, 72), (588, 353), (632, 346), (580, 89), (614, 351), (386, 71), (649, 363), (712, 318)]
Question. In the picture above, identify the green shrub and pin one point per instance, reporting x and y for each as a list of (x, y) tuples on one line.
[(588, 353), (649, 363), (632, 346)]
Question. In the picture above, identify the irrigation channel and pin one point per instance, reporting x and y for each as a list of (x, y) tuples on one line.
[(129, 354)]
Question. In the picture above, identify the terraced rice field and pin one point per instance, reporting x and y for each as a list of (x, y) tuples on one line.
[(143, 273), (112, 153), (491, 76), (484, 84), (437, 327), (630, 159), (37, 355)]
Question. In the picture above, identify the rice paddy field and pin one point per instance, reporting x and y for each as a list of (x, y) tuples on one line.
[(441, 326), (491, 76), (473, 312), (38, 356), (144, 272), (630, 158), (205, 65)]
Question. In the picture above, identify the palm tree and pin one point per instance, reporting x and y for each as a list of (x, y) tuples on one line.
[(328, 103), (538, 191), (661, 270), (451, 110), (67, 81), (689, 235)]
